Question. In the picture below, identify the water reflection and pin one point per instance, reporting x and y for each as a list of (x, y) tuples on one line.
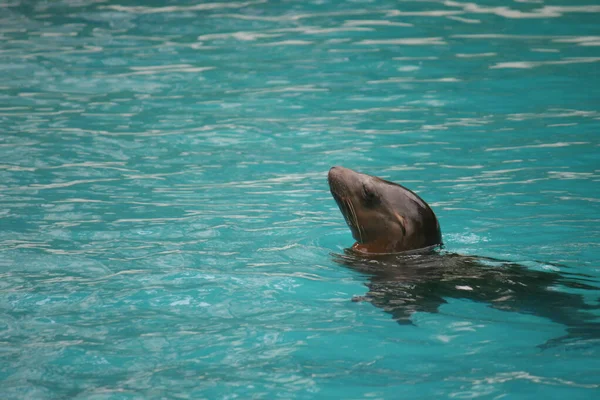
[(405, 284)]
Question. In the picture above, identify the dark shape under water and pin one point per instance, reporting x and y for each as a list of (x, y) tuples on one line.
[(403, 284), (396, 235)]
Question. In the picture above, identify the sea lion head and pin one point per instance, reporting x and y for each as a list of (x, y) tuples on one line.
[(384, 217)]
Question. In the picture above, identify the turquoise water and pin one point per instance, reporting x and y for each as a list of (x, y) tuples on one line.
[(166, 228)]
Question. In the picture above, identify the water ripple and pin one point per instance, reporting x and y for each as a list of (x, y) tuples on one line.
[(170, 9), (166, 227)]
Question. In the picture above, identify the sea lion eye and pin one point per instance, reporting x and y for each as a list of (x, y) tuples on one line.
[(369, 195)]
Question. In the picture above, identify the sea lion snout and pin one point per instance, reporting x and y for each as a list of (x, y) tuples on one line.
[(339, 179)]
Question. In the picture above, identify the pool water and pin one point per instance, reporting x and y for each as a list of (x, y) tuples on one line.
[(166, 228)]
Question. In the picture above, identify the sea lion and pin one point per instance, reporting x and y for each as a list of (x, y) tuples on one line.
[(397, 239), (384, 217)]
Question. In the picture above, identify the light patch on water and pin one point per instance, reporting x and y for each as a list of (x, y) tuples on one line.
[(296, 16), (116, 165), (474, 55), (290, 246), (320, 31), (590, 199), (467, 288), (161, 69), (462, 166), (283, 89), (414, 80), (543, 12), (465, 20), (172, 9), (184, 302), (534, 64), (465, 238), (577, 39), (424, 58), (404, 41), (290, 42), (571, 175), (359, 22), (58, 34), (243, 36), (504, 171), (581, 40), (554, 113), (409, 68), (445, 338), (465, 326), (403, 121), (560, 125), (375, 110), (508, 36), (503, 377), (538, 50), (535, 146), (431, 13)]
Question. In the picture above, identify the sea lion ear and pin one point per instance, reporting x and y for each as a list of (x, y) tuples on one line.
[(401, 221)]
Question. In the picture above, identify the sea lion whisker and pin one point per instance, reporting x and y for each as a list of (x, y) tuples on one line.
[(356, 223)]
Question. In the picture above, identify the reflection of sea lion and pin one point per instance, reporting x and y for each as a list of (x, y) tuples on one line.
[(388, 218), (402, 284), (384, 217)]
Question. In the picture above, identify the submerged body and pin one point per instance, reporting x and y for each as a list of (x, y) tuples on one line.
[(396, 231), (403, 284)]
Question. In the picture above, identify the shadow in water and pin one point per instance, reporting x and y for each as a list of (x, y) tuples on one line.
[(402, 284)]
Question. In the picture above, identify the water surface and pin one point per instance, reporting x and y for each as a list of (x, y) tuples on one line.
[(166, 225)]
